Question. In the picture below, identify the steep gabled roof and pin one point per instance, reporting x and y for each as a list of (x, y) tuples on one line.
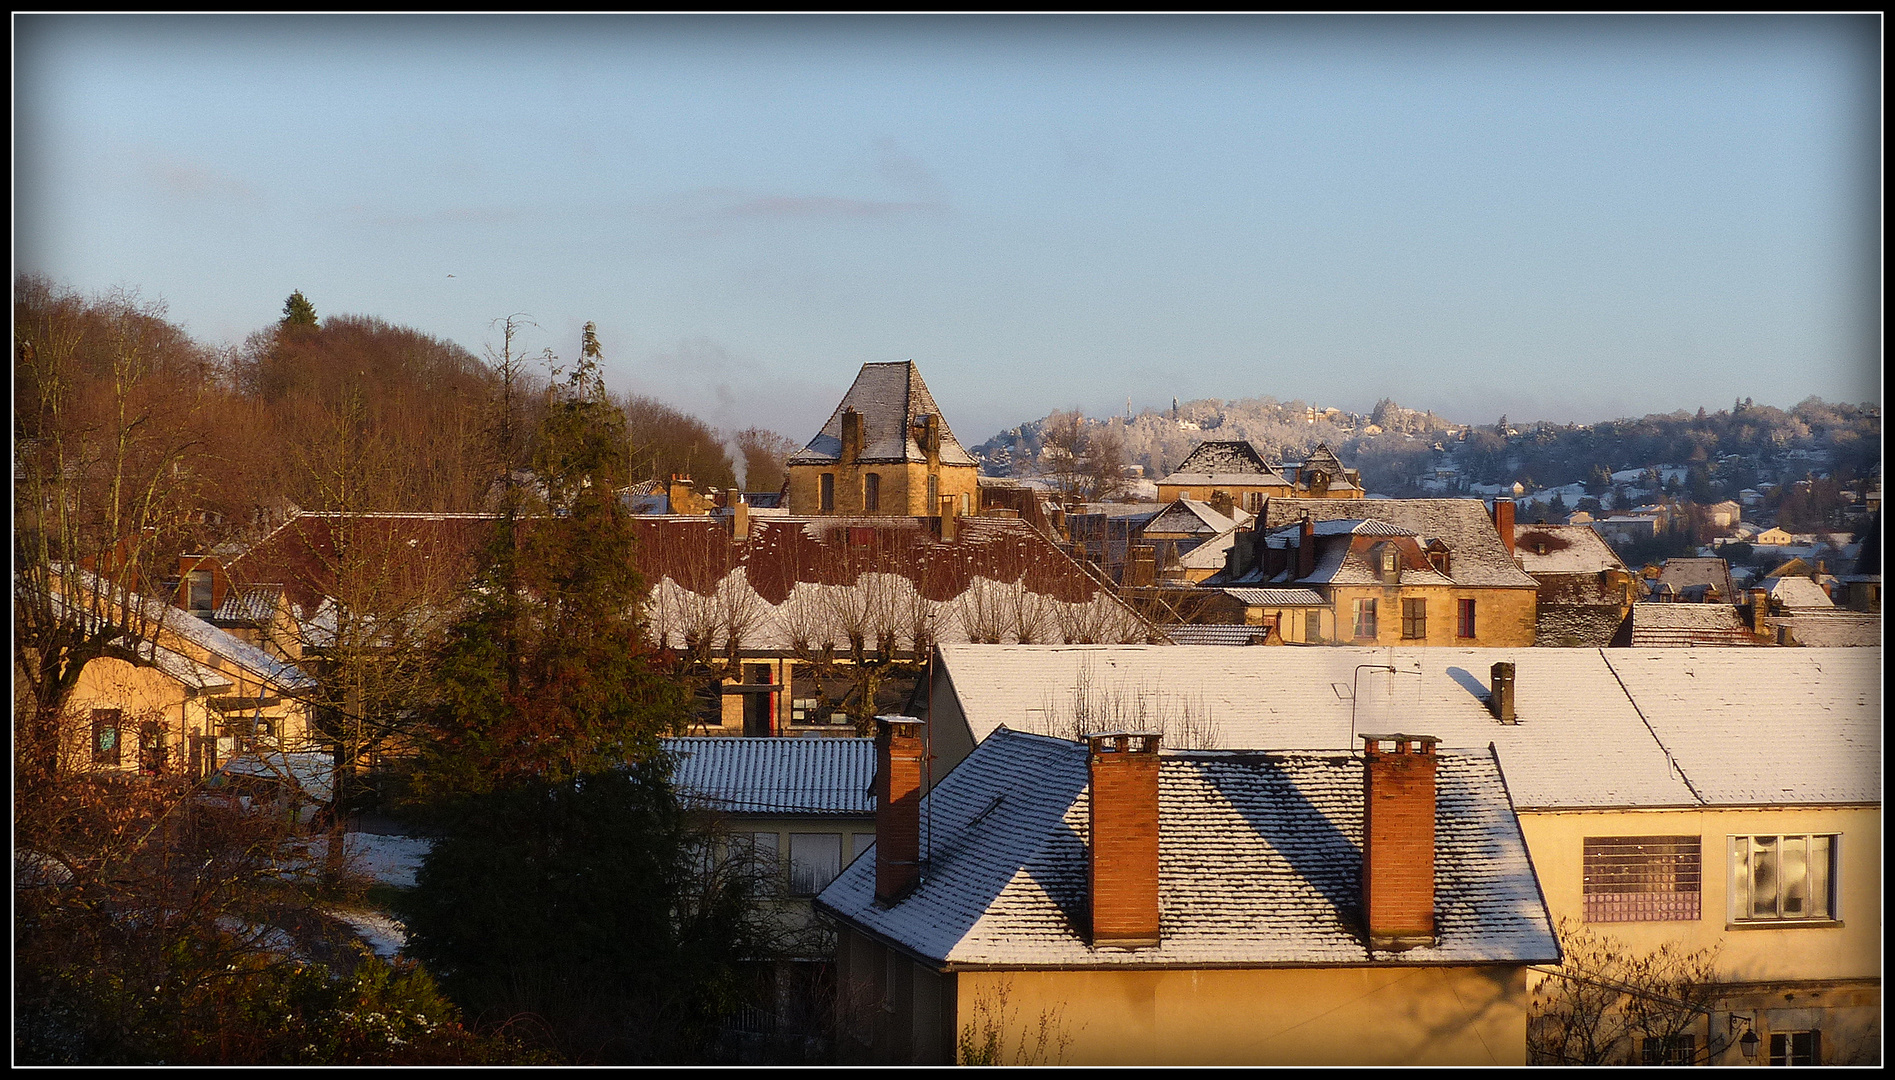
[(775, 776), (1477, 556), (891, 399), (1192, 516), (1568, 549), (1682, 574), (1669, 625), (1796, 592), (1259, 864), (1232, 461)]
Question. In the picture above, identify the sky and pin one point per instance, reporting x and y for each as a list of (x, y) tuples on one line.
[(1569, 219)]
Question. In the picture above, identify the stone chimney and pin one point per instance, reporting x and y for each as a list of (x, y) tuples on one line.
[(898, 760), (1503, 522), (1222, 503), (950, 511), (739, 518), (1500, 695), (1398, 840), (1305, 549), (1141, 566), (1759, 610), (1122, 875), (851, 436)]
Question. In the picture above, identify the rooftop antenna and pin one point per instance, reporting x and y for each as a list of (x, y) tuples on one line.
[(1355, 683)]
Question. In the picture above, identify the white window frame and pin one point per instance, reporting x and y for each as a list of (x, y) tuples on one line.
[(1740, 906)]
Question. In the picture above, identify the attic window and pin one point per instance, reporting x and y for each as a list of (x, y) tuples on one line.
[(199, 596)]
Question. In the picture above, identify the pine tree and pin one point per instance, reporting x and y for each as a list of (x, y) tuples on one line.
[(298, 311)]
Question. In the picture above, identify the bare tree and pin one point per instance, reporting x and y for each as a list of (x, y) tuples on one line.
[(765, 455), (1609, 1005)]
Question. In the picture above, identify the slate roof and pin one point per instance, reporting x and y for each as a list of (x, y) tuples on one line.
[(1259, 864), (1796, 592), (891, 398), (1193, 516), (1570, 549), (1682, 574), (1232, 461), (1581, 740), (1670, 625), (1223, 634), (1278, 597), (1478, 557), (776, 776)]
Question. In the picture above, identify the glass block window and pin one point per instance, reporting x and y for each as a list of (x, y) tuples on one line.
[(1643, 879), (1782, 878)]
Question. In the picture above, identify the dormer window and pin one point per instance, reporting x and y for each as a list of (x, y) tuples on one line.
[(199, 594), (1388, 562)]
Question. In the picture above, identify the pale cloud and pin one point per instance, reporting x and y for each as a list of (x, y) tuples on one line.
[(190, 181)]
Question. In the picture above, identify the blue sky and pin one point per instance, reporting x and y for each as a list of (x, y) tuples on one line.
[(1569, 219)]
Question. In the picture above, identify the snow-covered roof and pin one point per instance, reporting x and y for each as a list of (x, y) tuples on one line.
[(1796, 592), (1234, 462), (891, 399), (254, 604), (1259, 864), (1210, 554), (1221, 634), (1682, 574), (1831, 629), (1563, 549), (1277, 597), (1671, 625), (776, 776), (1580, 740), (167, 620), (1478, 557), (1193, 516), (312, 771)]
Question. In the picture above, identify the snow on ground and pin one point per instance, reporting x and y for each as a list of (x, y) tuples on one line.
[(390, 860), (384, 933)]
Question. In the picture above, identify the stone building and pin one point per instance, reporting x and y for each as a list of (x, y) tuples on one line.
[(885, 450)]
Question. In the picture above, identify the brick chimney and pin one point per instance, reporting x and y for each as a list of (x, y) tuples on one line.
[(1503, 522), (898, 759), (1398, 840), (851, 436), (1122, 877), (1305, 549), (1500, 697)]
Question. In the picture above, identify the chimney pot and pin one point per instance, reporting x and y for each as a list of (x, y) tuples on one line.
[(1500, 698), (899, 754), (1398, 840), (1122, 871)]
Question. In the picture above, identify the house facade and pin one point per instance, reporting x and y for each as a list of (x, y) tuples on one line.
[(885, 450), (1391, 571), (1585, 589), (1233, 470), (1108, 902), (1642, 822)]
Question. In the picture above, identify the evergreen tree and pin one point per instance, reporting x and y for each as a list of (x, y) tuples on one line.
[(546, 676), (298, 311)]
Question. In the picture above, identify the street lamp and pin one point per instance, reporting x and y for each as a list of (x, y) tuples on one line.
[(1748, 1044)]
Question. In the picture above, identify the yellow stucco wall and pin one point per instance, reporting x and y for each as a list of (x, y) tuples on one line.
[(1781, 978), (1851, 950), (904, 487), (1280, 1016), (142, 693), (1502, 617)]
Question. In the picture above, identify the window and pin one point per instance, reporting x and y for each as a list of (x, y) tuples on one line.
[(1414, 619), (1796, 1048), (105, 736), (759, 850), (1670, 1049), (1312, 626), (1643, 879), (815, 860), (828, 492), (934, 495), (1365, 618), (199, 598), (151, 748), (1782, 878), (1390, 559), (872, 491), (862, 842), (1464, 623)]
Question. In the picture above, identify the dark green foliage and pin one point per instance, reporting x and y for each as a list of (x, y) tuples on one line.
[(298, 311), (590, 905)]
